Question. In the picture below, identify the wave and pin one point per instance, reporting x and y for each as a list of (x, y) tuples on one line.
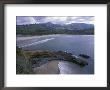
[(39, 42)]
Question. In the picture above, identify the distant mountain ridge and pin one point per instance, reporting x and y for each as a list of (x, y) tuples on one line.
[(54, 28)]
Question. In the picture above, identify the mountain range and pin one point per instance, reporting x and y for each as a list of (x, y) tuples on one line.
[(50, 28)]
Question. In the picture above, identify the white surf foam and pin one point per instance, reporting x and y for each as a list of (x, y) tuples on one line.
[(69, 68), (39, 42)]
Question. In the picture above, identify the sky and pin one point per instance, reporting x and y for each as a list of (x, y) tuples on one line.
[(22, 20)]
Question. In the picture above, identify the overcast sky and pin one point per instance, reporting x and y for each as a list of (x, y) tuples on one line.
[(54, 19)]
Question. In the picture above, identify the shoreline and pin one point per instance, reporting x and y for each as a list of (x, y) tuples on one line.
[(27, 37), (32, 37), (48, 68), (47, 62)]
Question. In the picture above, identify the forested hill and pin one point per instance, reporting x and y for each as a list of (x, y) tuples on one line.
[(49, 28)]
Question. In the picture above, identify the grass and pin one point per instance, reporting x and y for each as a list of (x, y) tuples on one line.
[(23, 64), (26, 59)]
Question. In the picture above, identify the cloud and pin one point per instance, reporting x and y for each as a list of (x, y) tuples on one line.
[(25, 20), (54, 19), (81, 19)]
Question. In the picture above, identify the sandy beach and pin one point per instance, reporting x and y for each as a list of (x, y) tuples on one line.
[(48, 68), (34, 37)]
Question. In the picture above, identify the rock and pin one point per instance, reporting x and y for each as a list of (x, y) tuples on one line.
[(33, 61), (79, 61), (84, 56), (34, 65), (42, 57), (82, 62)]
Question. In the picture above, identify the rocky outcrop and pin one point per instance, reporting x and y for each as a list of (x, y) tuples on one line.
[(27, 61), (38, 58), (84, 56)]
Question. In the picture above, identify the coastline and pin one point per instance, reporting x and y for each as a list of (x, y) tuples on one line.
[(48, 62), (33, 37), (48, 68), (28, 37)]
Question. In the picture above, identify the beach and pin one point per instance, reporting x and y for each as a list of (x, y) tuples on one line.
[(48, 68)]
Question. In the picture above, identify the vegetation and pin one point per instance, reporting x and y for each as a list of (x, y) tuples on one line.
[(23, 64), (26, 59), (45, 29)]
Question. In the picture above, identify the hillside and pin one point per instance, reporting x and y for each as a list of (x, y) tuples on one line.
[(49, 28)]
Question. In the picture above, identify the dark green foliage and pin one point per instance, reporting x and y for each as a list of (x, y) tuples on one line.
[(18, 51), (23, 65), (19, 69), (45, 29)]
